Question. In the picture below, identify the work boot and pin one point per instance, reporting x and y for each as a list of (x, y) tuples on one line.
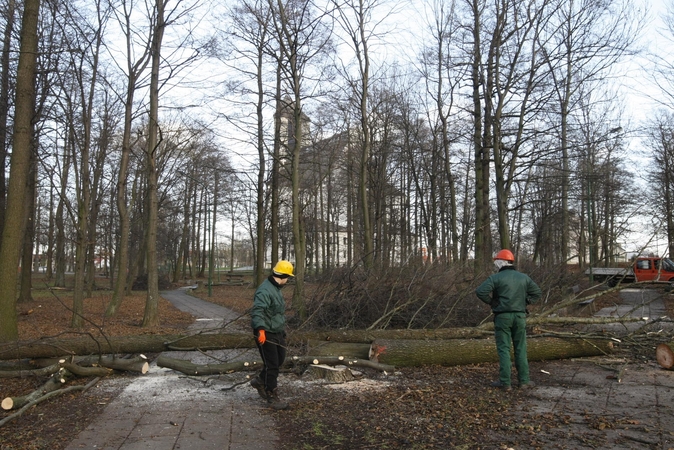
[(275, 402), (528, 385), (500, 385), (257, 384)]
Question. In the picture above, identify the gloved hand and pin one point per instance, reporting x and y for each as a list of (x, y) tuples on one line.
[(261, 337)]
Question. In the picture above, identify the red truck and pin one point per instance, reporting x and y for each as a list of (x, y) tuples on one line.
[(643, 269)]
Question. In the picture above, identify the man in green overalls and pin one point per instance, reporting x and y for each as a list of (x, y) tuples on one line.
[(508, 292), (268, 322)]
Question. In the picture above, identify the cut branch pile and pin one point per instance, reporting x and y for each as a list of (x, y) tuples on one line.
[(60, 372)]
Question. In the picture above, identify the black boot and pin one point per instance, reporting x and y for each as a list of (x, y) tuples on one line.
[(275, 402), (259, 385)]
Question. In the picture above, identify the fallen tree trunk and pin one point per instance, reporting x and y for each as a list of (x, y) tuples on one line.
[(329, 348), (189, 368), (456, 352), (49, 348), (664, 353)]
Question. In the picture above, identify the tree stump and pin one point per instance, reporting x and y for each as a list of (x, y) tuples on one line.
[(338, 374), (664, 353)]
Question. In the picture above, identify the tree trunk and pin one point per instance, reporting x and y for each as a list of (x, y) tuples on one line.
[(12, 233), (26, 283), (151, 316), (54, 347), (50, 348), (402, 352), (4, 102)]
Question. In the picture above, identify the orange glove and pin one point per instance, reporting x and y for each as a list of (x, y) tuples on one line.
[(261, 337)]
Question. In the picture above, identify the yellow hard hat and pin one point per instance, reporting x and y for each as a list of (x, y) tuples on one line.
[(283, 268)]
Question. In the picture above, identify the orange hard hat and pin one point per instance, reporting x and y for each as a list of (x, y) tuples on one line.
[(506, 255)]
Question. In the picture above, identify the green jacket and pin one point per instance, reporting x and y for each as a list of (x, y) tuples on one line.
[(269, 308), (508, 291)]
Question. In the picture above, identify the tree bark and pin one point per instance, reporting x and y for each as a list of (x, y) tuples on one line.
[(12, 233), (410, 353), (151, 316), (347, 349)]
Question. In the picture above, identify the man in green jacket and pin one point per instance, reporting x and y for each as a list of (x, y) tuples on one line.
[(268, 321), (508, 292)]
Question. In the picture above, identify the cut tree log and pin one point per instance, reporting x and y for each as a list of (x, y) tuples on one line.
[(24, 373), (54, 383), (338, 374), (189, 368), (409, 353), (87, 371), (136, 364), (47, 397), (664, 353)]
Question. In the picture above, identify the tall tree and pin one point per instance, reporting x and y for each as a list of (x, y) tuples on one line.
[(583, 42), (133, 71), (303, 40), (86, 67), (661, 138), (251, 22), (151, 316), (12, 233)]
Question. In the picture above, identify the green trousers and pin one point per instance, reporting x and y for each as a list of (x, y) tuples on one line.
[(510, 329)]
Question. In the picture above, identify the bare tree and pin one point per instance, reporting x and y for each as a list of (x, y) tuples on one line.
[(134, 72), (583, 42), (303, 40), (251, 35), (442, 74), (661, 139)]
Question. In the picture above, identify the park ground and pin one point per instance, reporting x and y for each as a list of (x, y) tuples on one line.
[(426, 407)]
